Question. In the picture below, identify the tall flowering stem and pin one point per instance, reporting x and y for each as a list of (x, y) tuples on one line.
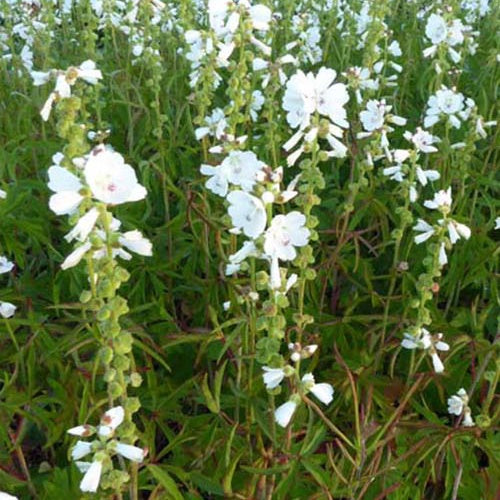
[(87, 182)]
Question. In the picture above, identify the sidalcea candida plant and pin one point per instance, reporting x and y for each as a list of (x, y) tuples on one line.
[(87, 183)]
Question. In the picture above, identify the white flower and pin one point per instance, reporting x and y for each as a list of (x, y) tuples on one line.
[(323, 391), (260, 16), (239, 168), (457, 230), (422, 140), (497, 223), (135, 241), (425, 230), (424, 176), (215, 125), (436, 29), (394, 49), (111, 420), (133, 453), (306, 94), (64, 80), (272, 376), (242, 169), (110, 179), (437, 363), (67, 188), (90, 481), (256, 104), (284, 413), (457, 402), (284, 234), (442, 200), (80, 450), (3, 194), (372, 117), (247, 250), (442, 258), (444, 102), (422, 341), (6, 496), (467, 421), (76, 256), (247, 213), (84, 226), (81, 431), (5, 265), (7, 309)]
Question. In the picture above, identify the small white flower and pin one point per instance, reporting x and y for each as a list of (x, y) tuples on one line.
[(323, 391), (5, 265), (80, 450), (442, 258), (284, 234), (76, 256), (425, 230), (467, 421), (67, 188), (7, 309), (424, 176), (442, 200), (111, 420), (133, 453), (457, 402), (422, 140), (394, 49), (272, 376), (372, 117), (306, 94), (247, 250), (81, 430), (3, 194), (110, 179), (457, 230), (437, 363), (84, 226), (284, 413), (135, 241), (247, 213), (92, 477), (436, 29), (6, 496)]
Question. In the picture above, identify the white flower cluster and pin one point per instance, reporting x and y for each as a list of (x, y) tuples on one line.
[(217, 39), (447, 104), (307, 95), (65, 79), (422, 142), (422, 339), (375, 119), (450, 34), (103, 176), (306, 32), (103, 448), (458, 405), (274, 376), (7, 309), (442, 203), (249, 186)]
